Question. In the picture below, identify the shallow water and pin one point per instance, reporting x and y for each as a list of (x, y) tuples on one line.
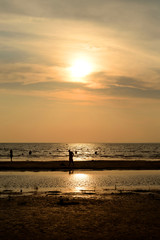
[(79, 180), (82, 151)]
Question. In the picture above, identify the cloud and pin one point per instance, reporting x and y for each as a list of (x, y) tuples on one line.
[(29, 73), (45, 86), (12, 55), (103, 87), (133, 92), (130, 15), (131, 25), (34, 55), (123, 81), (8, 34), (123, 86)]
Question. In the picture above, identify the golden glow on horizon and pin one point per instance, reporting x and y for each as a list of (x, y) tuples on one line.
[(81, 68)]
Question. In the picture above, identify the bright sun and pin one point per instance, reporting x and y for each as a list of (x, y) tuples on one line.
[(81, 68)]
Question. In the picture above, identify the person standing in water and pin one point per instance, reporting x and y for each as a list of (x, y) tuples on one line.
[(71, 154), (11, 154)]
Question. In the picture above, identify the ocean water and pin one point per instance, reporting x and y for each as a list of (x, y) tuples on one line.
[(82, 151)]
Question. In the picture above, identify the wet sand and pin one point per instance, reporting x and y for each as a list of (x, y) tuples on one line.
[(94, 165), (116, 216)]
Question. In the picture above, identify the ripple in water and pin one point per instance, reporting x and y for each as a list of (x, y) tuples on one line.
[(77, 180)]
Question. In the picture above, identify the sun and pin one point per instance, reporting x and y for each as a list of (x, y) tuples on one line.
[(81, 68)]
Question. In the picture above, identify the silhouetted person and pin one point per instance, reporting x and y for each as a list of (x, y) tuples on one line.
[(11, 154), (30, 152), (71, 154)]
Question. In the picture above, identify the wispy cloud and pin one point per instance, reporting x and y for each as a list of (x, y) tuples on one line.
[(38, 38), (124, 86), (106, 87), (138, 15)]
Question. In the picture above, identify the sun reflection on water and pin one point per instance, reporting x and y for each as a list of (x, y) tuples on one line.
[(78, 189), (80, 176), (80, 181)]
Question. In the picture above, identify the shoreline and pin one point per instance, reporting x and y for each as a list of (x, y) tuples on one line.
[(79, 165)]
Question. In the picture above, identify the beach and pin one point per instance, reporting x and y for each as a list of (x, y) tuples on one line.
[(93, 165), (123, 215), (114, 213)]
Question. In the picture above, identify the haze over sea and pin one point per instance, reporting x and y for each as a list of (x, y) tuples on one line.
[(82, 151)]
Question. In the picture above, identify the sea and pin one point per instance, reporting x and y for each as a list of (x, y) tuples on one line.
[(82, 151), (79, 181)]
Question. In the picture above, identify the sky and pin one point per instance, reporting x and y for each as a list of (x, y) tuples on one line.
[(80, 71)]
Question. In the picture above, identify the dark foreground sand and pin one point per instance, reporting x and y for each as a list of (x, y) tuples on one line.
[(124, 216), (63, 165)]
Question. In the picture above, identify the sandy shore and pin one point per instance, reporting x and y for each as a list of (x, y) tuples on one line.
[(95, 165), (124, 216)]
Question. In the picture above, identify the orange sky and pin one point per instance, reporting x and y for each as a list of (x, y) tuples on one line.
[(79, 71)]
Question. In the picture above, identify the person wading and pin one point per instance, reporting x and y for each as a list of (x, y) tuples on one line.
[(71, 154), (11, 154)]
